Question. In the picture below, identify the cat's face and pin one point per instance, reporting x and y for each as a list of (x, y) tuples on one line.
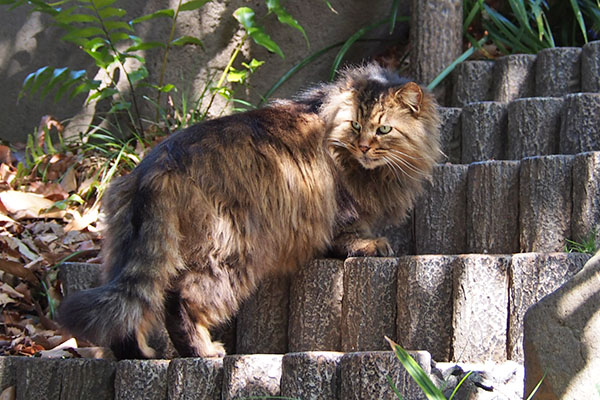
[(381, 128)]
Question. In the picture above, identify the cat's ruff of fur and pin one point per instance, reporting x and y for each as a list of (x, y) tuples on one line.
[(216, 207)]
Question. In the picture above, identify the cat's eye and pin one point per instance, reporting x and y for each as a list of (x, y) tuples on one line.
[(383, 129), (356, 126)]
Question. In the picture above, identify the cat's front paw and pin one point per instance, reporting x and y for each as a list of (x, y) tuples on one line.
[(378, 247)]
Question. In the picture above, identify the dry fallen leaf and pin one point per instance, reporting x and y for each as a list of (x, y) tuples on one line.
[(10, 393), (28, 205)]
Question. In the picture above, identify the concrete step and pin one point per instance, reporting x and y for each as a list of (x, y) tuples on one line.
[(305, 375), (551, 73), (464, 308), (535, 204), (526, 127)]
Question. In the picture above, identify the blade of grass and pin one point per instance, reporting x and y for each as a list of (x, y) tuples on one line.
[(536, 388), (351, 40), (451, 67), (394, 13), (394, 388), (295, 69), (416, 372), (459, 385), (579, 17)]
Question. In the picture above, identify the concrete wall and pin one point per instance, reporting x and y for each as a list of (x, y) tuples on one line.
[(28, 42)]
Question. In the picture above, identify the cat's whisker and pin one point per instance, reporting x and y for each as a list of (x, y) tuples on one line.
[(392, 168), (408, 165), (398, 166), (403, 154)]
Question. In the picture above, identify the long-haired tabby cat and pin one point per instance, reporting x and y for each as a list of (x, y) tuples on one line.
[(217, 207)]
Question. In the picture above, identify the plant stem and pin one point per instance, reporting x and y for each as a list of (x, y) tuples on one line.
[(122, 66), (163, 67), (224, 74)]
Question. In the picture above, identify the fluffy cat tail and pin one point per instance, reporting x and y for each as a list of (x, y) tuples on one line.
[(141, 256)]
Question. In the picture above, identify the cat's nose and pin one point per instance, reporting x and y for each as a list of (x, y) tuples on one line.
[(364, 149)]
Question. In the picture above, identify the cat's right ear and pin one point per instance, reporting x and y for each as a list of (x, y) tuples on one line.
[(411, 95)]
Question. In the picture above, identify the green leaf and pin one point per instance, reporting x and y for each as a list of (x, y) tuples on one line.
[(100, 4), (165, 13), (254, 65), (193, 5), (67, 18), (145, 46), (102, 94), (416, 372), (111, 12), (284, 17), (76, 35), (579, 17), (237, 76), (138, 74), (184, 40), (114, 25), (59, 74), (245, 16)]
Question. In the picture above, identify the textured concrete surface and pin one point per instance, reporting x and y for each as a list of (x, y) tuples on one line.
[(472, 82), (316, 306), (480, 309), (251, 375), (450, 133), (425, 304), (533, 127), (585, 222), (484, 131), (558, 71), (440, 215), (311, 375), (258, 331), (580, 126), (364, 376), (561, 337), (513, 77), (490, 228), (195, 378), (545, 203), (78, 276), (369, 303), (141, 379), (590, 67)]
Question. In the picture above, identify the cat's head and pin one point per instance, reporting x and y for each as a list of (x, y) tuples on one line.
[(380, 120)]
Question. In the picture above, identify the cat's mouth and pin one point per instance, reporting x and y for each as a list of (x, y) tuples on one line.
[(368, 162)]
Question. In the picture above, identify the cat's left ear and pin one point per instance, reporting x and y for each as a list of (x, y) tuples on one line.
[(411, 96)]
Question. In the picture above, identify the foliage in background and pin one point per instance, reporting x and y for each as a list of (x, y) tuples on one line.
[(588, 244), (528, 26), (102, 30)]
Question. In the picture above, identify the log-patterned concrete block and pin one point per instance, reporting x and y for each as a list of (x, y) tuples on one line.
[(533, 127), (425, 304), (316, 306), (493, 207), (251, 376), (586, 197), (545, 203), (78, 276), (590, 67), (311, 375), (259, 331), (472, 82), (195, 379), (400, 236), (580, 125), (484, 135), (436, 37), (558, 71), (480, 309), (514, 77), (369, 303), (141, 379), (65, 379), (533, 276), (440, 215), (450, 133), (8, 372), (364, 376)]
